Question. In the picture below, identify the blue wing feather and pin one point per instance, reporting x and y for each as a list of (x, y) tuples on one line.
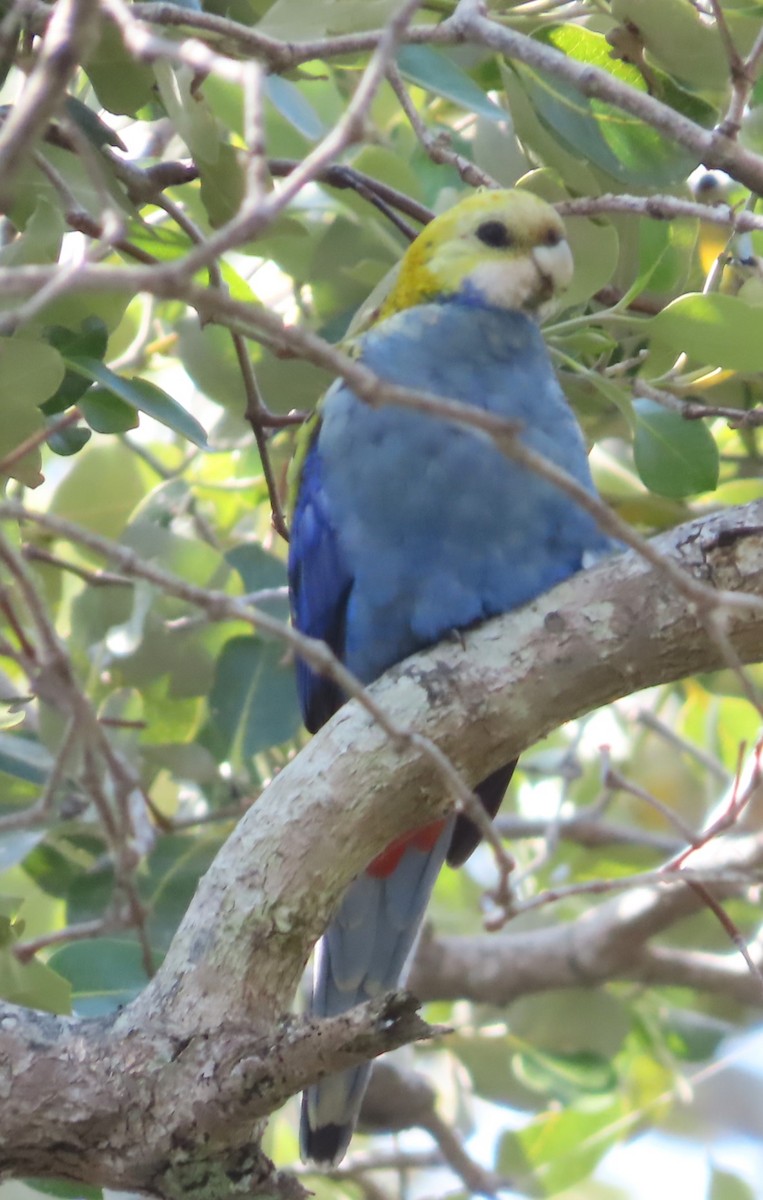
[(320, 584)]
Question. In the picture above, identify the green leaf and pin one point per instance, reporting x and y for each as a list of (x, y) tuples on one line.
[(30, 372), (106, 413), (209, 357), (104, 974), (143, 396), (42, 237), (188, 111), (316, 18), (94, 129), (628, 149), (253, 703), (55, 866), (173, 872), (436, 72), (124, 639), (570, 1021), (674, 457), (560, 1148), (24, 758), (713, 329), (78, 306), (222, 184), (395, 170), (294, 106), (259, 570), (64, 1190), (11, 714), (166, 884), (122, 84), (564, 1076), (725, 1186), (691, 1035), (33, 984), (489, 1064), (675, 36), (547, 148), (66, 442), (90, 341), (163, 241), (189, 762), (101, 489)]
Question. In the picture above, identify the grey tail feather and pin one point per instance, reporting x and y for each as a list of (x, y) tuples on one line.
[(362, 955), (326, 1144)]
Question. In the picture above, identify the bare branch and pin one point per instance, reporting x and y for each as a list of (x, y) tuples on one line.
[(71, 30)]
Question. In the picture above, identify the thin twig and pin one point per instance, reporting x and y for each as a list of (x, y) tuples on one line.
[(436, 145), (84, 931), (257, 178), (695, 410), (71, 30), (39, 812), (741, 80), (256, 412), (650, 721), (662, 208), (38, 438)]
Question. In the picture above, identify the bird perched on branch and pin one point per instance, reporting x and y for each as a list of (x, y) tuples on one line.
[(407, 527)]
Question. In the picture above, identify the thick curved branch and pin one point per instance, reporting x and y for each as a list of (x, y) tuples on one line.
[(597, 637), (137, 1099), (237, 956)]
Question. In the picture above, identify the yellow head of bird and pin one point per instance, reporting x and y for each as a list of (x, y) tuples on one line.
[(508, 249)]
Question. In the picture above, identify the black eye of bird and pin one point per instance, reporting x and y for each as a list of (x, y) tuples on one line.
[(552, 237), (495, 234)]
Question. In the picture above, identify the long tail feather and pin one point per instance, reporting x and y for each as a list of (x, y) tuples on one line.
[(362, 955)]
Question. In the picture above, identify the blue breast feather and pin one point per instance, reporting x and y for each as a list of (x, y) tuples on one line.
[(407, 527)]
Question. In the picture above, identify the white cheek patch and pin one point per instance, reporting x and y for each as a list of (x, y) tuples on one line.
[(530, 283), (507, 284)]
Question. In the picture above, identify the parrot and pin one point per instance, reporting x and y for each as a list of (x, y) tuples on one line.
[(407, 528)]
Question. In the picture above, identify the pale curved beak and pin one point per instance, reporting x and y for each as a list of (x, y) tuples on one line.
[(555, 264)]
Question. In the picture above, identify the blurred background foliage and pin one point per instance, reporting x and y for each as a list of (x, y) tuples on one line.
[(123, 415)]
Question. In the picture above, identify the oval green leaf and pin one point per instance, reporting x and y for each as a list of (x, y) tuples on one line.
[(253, 703), (722, 331), (294, 106), (144, 396), (435, 72), (674, 457), (628, 149), (104, 974)]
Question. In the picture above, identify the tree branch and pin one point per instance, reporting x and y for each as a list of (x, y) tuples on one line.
[(606, 943), (216, 1004), (71, 30)]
